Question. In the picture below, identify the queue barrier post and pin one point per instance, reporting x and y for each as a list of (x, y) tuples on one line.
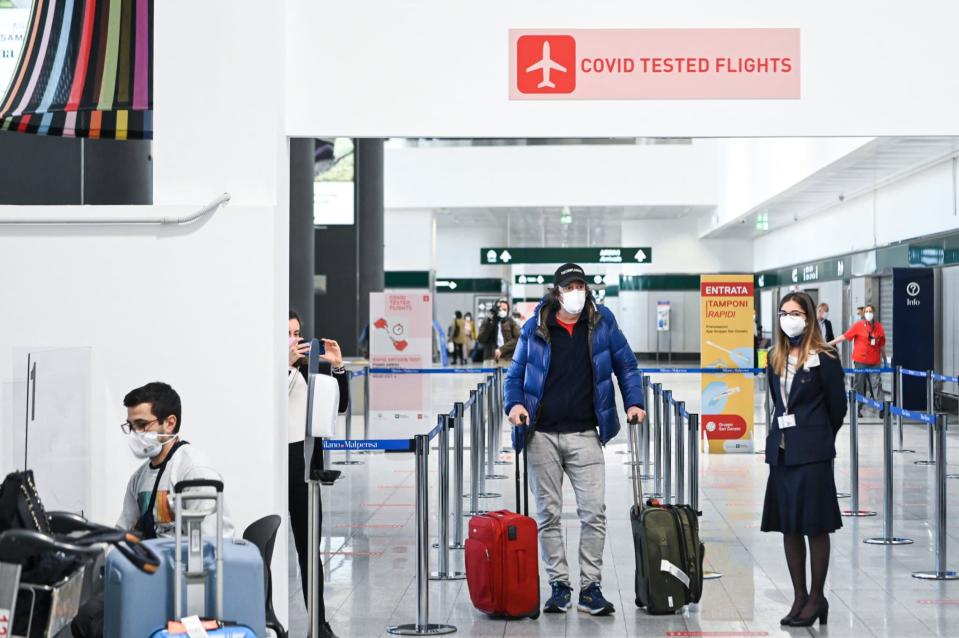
[(941, 572), (366, 404), (897, 389), (444, 421), (657, 441), (499, 412), (931, 440), (422, 626), (680, 454), (481, 424), (854, 511), (644, 444), (313, 569), (458, 452), (476, 455), (888, 538), (492, 430), (502, 413), (667, 449), (694, 451), (349, 436)]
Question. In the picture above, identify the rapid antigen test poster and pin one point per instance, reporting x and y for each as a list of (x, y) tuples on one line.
[(727, 342)]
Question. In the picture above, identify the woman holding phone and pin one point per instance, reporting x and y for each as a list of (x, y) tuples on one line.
[(807, 384), (331, 362)]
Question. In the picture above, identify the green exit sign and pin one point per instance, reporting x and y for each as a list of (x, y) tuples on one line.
[(620, 255)]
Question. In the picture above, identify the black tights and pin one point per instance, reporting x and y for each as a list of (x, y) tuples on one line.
[(795, 546)]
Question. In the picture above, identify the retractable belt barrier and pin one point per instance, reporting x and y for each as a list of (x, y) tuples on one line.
[(759, 371), (485, 401), (433, 370), (664, 410)]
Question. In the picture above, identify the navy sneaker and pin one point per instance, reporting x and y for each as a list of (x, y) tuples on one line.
[(591, 600), (561, 600)]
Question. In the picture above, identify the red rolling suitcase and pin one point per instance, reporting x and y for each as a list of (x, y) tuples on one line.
[(502, 561)]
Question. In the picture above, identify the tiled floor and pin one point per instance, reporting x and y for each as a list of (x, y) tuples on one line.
[(369, 533)]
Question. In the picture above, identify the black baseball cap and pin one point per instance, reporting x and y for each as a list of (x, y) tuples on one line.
[(567, 274)]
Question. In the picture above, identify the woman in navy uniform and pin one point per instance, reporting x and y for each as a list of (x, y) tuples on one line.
[(807, 383)]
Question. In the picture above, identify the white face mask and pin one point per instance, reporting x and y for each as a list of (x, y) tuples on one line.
[(573, 301), (502, 314), (146, 445), (792, 326), (868, 316)]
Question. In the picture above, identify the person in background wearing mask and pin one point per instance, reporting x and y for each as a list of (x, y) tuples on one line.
[(868, 351), (807, 383), (152, 430), (561, 376), (469, 331), (298, 492), (499, 334), (825, 326)]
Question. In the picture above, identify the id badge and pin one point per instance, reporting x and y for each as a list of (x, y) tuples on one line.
[(787, 421), (872, 341)]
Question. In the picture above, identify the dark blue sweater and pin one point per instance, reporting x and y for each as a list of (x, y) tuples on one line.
[(567, 404)]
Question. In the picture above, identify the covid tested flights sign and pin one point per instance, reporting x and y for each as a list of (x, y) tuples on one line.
[(654, 64)]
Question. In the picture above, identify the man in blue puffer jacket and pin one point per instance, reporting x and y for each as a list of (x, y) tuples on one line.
[(562, 375)]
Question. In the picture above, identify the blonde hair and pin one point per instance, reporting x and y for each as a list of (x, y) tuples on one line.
[(812, 341)]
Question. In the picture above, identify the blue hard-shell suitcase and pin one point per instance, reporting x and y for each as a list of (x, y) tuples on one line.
[(235, 631), (139, 604)]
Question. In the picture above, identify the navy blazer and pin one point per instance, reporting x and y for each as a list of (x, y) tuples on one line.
[(818, 400), (828, 335)]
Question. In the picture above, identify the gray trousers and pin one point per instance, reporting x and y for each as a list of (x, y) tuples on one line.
[(869, 384), (580, 457)]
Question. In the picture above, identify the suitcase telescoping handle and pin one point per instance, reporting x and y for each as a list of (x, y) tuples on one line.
[(194, 542), (637, 479), (524, 453)]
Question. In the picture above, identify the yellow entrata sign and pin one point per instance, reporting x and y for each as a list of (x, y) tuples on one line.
[(727, 342)]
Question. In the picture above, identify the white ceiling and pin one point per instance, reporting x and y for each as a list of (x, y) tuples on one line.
[(875, 164)]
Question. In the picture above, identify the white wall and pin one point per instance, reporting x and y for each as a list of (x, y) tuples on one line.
[(202, 307), (577, 175), (922, 204), (458, 251), (754, 170), (440, 69), (410, 240), (677, 248)]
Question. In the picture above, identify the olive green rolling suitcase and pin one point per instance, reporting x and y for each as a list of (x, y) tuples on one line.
[(669, 554)]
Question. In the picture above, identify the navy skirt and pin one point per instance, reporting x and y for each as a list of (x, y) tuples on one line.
[(801, 499)]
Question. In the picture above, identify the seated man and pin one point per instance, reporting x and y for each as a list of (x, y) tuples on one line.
[(152, 427)]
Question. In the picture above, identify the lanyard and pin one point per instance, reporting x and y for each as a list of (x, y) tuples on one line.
[(783, 385), (146, 525)]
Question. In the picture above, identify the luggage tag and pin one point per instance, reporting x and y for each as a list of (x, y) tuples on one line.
[(669, 568), (194, 627), (787, 421)]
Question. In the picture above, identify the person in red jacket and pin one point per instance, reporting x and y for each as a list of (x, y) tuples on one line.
[(868, 351)]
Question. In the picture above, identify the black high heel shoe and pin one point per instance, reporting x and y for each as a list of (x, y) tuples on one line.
[(788, 618), (822, 615)]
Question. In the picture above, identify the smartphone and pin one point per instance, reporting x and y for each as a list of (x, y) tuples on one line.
[(322, 349)]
